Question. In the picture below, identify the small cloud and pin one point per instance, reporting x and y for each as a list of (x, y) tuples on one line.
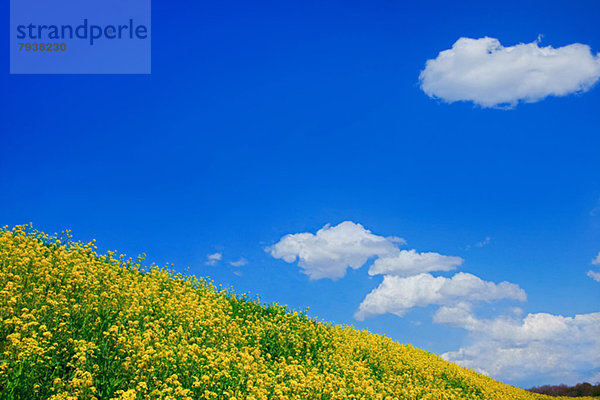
[(484, 242), (239, 263), (238, 273), (491, 75), (594, 275), (480, 244), (213, 259)]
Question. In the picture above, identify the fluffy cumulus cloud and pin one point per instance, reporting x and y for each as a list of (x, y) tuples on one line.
[(491, 75), (397, 295), (540, 345), (333, 249), (410, 262)]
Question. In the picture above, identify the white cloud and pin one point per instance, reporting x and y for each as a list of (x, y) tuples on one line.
[(398, 295), (480, 244), (213, 259), (484, 242), (491, 75), (540, 345), (239, 263), (409, 262), (329, 252), (594, 275)]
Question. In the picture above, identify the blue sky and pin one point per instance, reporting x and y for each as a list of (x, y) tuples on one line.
[(262, 120)]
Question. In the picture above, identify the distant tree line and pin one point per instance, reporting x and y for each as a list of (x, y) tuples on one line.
[(581, 389)]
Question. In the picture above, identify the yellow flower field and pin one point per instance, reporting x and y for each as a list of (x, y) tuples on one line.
[(75, 324)]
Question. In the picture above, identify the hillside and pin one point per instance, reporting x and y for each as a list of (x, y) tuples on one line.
[(78, 325)]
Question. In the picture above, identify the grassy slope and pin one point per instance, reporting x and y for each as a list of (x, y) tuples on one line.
[(75, 324)]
